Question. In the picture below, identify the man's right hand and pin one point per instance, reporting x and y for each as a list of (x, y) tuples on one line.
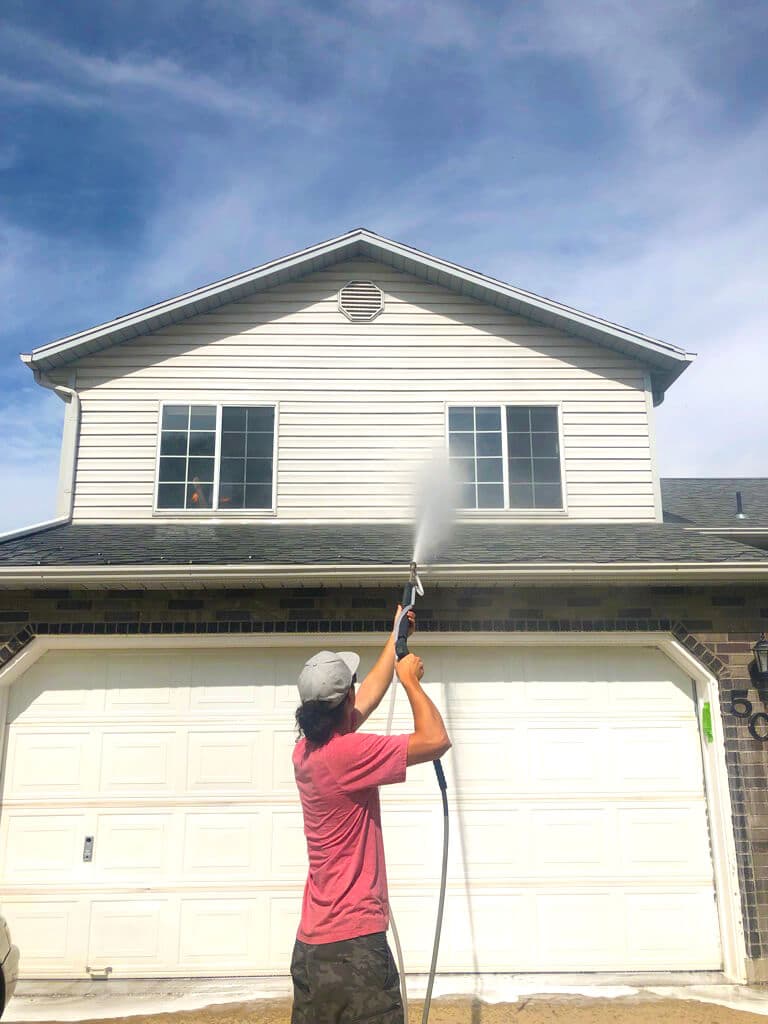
[(410, 669)]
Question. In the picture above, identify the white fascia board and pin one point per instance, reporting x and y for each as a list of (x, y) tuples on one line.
[(661, 353), (25, 531), (267, 577)]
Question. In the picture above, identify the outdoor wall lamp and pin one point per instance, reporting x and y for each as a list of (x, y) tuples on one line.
[(760, 651)]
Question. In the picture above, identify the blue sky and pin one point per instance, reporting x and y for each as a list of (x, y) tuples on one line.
[(610, 154)]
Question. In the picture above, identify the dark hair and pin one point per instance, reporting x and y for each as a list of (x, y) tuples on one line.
[(318, 722)]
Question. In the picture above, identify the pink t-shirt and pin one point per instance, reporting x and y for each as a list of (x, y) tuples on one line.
[(346, 891)]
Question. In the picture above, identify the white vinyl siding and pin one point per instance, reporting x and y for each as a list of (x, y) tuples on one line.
[(363, 405)]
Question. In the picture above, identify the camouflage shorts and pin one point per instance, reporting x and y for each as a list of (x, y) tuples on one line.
[(346, 982)]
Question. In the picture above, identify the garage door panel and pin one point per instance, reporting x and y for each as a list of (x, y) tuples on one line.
[(657, 759), (565, 758), (491, 758), (675, 839), (650, 928), (47, 761), (143, 669), (487, 843), (242, 682), (470, 686), (132, 933), (60, 687), (138, 762), (288, 847), (52, 934), (587, 921), (230, 761), (220, 841), (41, 847), (217, 933), (280, 926), (563, 839), (133, 846)]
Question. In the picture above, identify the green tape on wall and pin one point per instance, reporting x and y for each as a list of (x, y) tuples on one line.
[(706, 721)]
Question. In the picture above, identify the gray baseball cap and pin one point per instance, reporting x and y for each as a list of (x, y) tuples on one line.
[(327, 676)]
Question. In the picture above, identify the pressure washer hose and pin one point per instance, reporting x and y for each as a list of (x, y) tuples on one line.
[(407, 605)]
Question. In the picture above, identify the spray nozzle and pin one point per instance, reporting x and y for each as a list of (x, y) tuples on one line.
[(414, 574)]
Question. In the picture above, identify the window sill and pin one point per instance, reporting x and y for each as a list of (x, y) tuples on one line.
[(511, 513), (210, 513)]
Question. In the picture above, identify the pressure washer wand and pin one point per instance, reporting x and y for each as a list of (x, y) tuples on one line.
[(413, 588)]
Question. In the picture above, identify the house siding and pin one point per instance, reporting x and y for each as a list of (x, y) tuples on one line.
[(717, 625), (362, 406)]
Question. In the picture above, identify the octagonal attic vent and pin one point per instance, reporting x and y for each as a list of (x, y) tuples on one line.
[(361, 300)]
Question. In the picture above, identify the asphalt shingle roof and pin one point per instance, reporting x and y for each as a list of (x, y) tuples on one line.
[(711, 501), (364, 544)]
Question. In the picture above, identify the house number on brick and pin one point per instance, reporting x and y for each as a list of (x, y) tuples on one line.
[(742, 708)]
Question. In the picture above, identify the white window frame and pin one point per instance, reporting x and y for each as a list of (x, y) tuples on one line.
[(229, 512), (509, 510)]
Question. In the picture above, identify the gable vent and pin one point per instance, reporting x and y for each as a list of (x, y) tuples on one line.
[(361, 300)]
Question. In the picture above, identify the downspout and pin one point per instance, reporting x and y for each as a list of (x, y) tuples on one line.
[(70, 439), (65, 492)]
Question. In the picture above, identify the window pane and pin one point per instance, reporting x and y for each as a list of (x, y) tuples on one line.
[(490, 496), (545, 446), (467, 497), (233, 418), (173, 444), (261, 419), (519, 446), (176, 417), (202, 443), (546, 471), (464, 470), (199, 495), (487, 417), (488, 444), (258, 471), (232, 445), (170, 496), (202, 469), (259, 446), (231, 496), (521, 496), (518, 418), (520, 471), (548, 496), (490, 471), (258, 496), (462, 444), (544, 417), (232, 471), (203, 417), (461, 418), (172, 470)]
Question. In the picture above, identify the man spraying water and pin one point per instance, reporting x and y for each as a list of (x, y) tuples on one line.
[(342, 966)]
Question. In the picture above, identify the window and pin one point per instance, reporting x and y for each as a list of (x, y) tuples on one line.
[(506, 456), (216, 457)]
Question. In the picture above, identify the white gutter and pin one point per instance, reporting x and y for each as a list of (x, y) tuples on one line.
[(266, 576)]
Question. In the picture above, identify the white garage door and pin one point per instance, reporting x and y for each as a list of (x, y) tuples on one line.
[(579, 818)]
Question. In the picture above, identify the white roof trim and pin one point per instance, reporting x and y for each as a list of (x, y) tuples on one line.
[(268, 576), (667, 361)]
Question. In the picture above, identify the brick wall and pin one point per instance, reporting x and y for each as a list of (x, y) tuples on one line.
[(719, 625)]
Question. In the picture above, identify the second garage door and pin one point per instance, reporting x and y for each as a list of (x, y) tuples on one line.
[(150, 824)]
